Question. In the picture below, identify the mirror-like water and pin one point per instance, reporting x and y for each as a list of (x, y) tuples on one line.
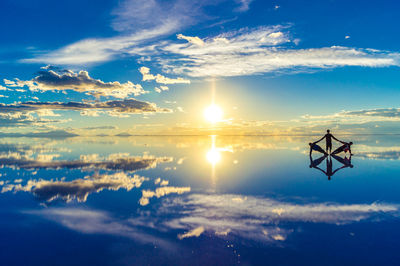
[(198, 200)]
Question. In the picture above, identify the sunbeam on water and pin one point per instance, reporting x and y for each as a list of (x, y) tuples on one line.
[(213, 156)]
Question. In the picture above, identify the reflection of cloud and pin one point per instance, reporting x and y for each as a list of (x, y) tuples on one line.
[(377, 152), (161, 192), (253, 218), (96, 222), (194, 232), (385, 155), (77, 189), (51, 79), (259, 218), (126, 164)]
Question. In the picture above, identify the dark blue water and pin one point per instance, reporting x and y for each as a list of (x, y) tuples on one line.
[(198, 201)]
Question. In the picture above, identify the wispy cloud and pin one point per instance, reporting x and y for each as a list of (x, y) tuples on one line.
[(259, 218), (263, 50), (139, 22), (244, 5), (380, 114), (97, 222), (255, 218)]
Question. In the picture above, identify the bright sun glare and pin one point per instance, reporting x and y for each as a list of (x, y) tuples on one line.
[(213, 156), (213, 113)]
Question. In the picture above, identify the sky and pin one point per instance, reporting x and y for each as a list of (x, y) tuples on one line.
[(154, 67)]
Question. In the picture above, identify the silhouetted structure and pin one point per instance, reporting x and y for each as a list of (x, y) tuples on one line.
[(315, 147), (328, 137), (346, 147), (329, 172)]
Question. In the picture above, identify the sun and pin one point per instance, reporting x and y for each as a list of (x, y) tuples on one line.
[(213, 113)]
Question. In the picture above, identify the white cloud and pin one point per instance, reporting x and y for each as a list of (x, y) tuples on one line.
[(196, 232), (258, 218), (244, 5), (161, 89), (263, 50), (2, 88), (194, 40), (161, 192), (97, 50), (145, 71), (139, 22), (360, 116), (89, 221)]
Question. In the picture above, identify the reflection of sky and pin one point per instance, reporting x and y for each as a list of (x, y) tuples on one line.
[(189, 193)]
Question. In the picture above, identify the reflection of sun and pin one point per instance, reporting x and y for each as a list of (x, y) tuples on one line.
[(213, 156), (213, 113)]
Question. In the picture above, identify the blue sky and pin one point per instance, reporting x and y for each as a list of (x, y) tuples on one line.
[(150, 66)]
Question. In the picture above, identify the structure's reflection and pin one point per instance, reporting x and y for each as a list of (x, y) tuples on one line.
[(329, 172)]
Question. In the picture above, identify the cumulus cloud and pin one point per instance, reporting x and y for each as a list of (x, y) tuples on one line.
[(161, 192), (22, 119), (161, 88), (145, 71), (51, 79), (128, 106), (79, 189), (263, 50)]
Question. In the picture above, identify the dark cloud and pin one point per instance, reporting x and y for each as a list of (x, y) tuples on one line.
[(125, 164), (50, 78), (131, 106), (100, 127), (79, 189)]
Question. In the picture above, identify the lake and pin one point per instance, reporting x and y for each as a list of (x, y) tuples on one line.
[(198, 200)]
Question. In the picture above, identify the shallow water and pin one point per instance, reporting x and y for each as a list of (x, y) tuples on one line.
[(197, 200)]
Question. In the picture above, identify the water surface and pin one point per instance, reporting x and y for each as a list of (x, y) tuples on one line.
[(198, 200)]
